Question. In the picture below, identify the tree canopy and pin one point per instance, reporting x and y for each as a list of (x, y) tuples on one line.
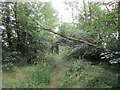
[(33, 34)]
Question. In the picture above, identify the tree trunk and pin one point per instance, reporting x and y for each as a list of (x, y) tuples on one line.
[(119, 25), (85, 11), (8, 27), (19, 46), (90, 10), (119, 20)]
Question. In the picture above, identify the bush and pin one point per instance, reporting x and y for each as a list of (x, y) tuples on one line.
[(9, 59), (64, 50), (86, 52)]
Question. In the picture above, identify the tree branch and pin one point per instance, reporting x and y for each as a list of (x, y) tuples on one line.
[(106, 6), (67, 37)]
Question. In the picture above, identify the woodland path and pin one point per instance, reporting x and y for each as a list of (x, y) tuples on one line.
[(57, 71)]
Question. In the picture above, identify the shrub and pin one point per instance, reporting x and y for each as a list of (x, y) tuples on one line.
[(64, 50), (86, 52), (9, 59)]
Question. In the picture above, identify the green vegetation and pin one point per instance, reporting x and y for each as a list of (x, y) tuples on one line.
[(31, 76), (81, 74), (83, 53), (38, 78)]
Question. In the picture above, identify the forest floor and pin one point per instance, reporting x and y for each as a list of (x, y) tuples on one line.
[(58, 70), (9, 78), (20, 73), (61, 73)]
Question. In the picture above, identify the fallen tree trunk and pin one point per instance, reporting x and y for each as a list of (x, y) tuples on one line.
[(67, 37)]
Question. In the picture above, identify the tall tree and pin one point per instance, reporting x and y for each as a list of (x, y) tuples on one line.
[(22, 31)]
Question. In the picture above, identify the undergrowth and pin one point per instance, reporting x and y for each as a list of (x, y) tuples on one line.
[(39, 77), (36, 76), (81, 74)]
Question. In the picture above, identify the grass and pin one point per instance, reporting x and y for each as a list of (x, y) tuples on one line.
[(70, 74), (32, 76), (28, 77), (10, 78), (39, 78), (81, 74)]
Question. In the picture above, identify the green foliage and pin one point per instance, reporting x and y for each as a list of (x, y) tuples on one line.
[(21, 34), (38, 78), (81, 74), (86, 52), (114, 59), (9, 59), (101, 29), (30, 76), (103, 26), (50, 59), (64, 50), (24, 42)]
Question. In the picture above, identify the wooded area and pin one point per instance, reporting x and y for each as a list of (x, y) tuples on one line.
[(83, 53)]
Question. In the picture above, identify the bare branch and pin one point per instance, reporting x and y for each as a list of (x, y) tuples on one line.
[(106, 6), (70, 38)]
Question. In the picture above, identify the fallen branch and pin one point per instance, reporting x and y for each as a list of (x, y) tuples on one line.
[(70, 38)]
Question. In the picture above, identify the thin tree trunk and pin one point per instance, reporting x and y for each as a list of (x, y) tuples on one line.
[(72, 15), (8, 27), (19, 46), (21, 35), (85, 11), (90, 10), (119, 26)]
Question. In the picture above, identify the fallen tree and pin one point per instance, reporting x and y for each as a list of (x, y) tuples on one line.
[(67, 37)]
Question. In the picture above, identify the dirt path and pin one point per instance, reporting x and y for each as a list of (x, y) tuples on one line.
[(57, 71)]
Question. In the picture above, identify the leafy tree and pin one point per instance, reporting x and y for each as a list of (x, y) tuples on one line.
[(94, 25), (23, 40)]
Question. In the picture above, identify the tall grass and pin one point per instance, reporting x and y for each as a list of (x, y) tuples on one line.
[(40, 76), (36, 76), (81, 74)]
